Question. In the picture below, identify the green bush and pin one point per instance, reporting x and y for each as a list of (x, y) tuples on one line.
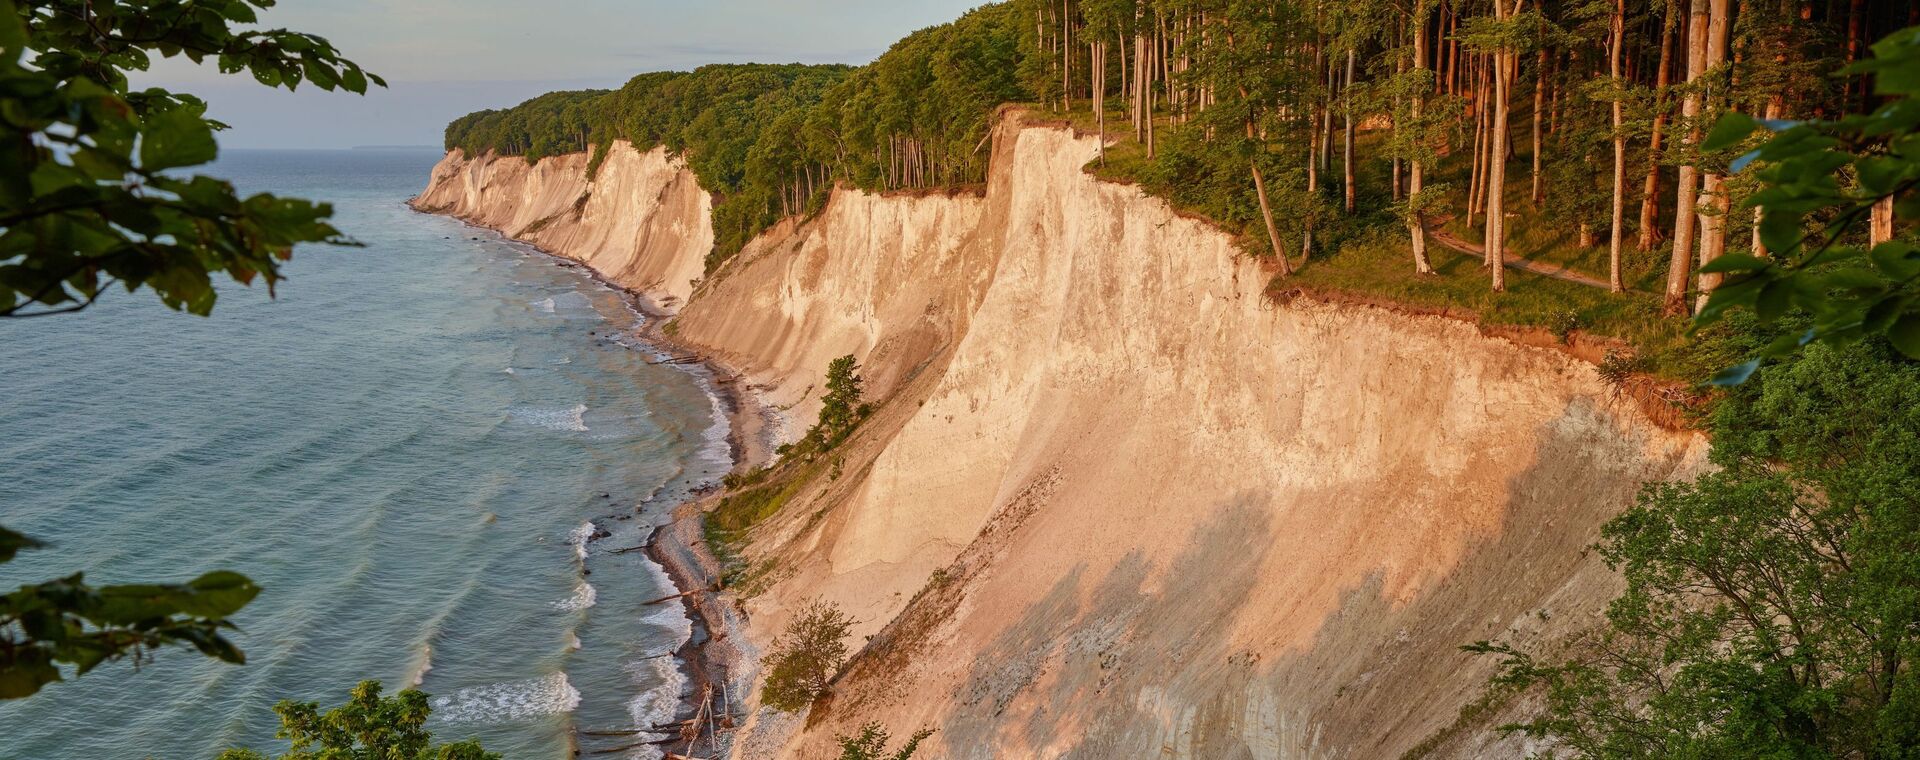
[(1773, 606), (871, 744), (806, 657)]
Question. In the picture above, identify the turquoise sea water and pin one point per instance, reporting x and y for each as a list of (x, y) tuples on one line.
[(407, 449)]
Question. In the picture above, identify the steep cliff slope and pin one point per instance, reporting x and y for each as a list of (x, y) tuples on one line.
[(1116, 503), (641, 222)]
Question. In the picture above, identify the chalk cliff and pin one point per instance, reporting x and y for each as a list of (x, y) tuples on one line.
[(1115, 501), (642, 221)]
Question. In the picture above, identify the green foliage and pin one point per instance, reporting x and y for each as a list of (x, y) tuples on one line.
[(1772, 607), (92, 191), (1813, 221), (367, 727), (771, 140), (871, 744), (803, 661), (66, 622), (841, 409)]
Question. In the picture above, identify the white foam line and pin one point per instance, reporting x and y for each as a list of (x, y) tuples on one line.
[(512, 700), (583, 597)]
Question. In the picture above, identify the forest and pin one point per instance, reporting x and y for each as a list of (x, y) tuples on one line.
[(770, 141), (1565, 132)]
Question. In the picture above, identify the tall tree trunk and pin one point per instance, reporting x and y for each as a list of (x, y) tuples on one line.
[(1453, 50), (1616, 280), (1476, 182), (1399, 70), (1159, 63), (1099, 85), (1776, 104), (1880, 225), (1679, 264), (1313, 193), (1066, 54), (1346, 143), (1539, 107), (1650, 198), (1266, 213), (1326, 118), (1713, 203), (1415, 170), (1496, 233), (1139, 71)]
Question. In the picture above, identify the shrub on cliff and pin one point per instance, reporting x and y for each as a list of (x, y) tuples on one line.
[(871, 744), (806, 657), (841, 410), (1773, 607)]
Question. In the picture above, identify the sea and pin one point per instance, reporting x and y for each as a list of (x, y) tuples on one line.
[(432, 452)]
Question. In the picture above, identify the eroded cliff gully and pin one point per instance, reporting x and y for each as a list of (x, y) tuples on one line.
[(1114, 502)]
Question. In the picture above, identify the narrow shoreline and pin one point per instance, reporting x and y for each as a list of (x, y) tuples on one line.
[(712, 655)]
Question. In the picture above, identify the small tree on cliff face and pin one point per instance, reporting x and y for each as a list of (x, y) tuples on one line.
[(806, 657), (871, 744), (841, 410)]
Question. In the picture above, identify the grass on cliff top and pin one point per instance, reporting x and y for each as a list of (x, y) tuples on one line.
[(1375, 262)]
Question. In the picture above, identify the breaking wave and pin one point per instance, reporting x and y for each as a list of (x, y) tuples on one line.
[(513, 700)]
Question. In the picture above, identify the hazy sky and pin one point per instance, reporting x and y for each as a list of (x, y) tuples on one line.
[(444, 58)]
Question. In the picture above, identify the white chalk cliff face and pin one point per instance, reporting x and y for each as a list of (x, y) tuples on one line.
[(642, 221), (1116, 503)]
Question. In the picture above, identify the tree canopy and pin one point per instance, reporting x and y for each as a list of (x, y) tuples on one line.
[(1310, 128), (1772, 608), (771, 140)]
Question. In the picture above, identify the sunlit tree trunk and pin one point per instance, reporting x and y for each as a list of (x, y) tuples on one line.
[(1496, 231), (1476, 184), (1616, 40), (1066, 54), (1415, 169), (1650, 199), (1880, 226), (1266, 213), (1399, 70), (1714, 204), (1539, 109), (1679, 264), (1098, 53), (1346, 143)]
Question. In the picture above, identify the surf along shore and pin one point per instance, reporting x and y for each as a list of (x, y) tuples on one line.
[(716, 659)]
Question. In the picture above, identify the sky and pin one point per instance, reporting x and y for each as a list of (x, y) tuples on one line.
[(446, 58)]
